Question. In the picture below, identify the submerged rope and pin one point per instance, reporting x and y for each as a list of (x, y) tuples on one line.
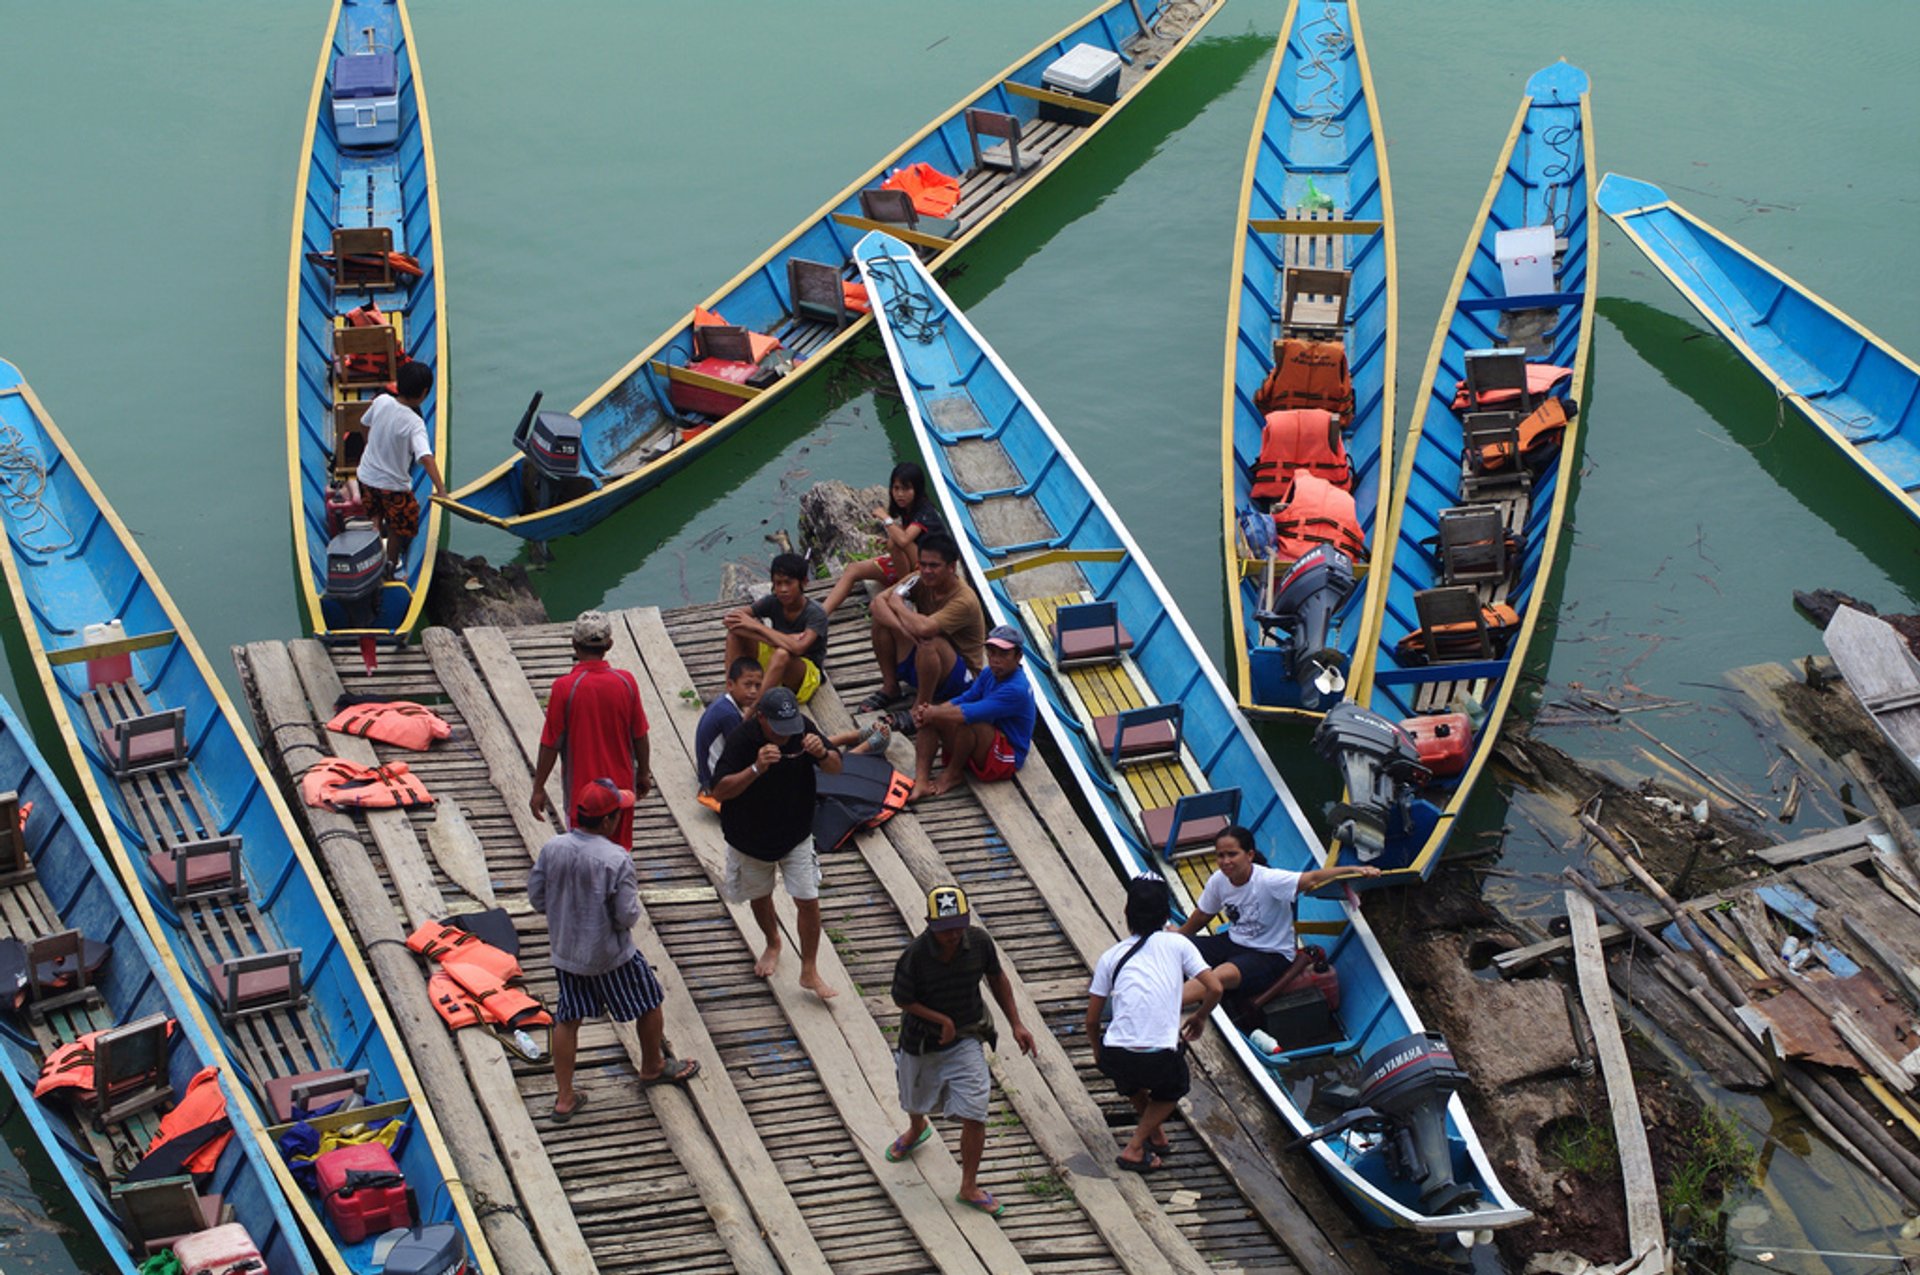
[(23, 486)]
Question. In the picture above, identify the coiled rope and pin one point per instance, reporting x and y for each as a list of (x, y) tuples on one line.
[(23, 486)]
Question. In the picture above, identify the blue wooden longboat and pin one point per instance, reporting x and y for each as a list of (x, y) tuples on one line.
[(72, 887), (1033, 526), (1860, 392), (70, 564), (633, 436), (360, 185), (1315, 183), (1542, 177)]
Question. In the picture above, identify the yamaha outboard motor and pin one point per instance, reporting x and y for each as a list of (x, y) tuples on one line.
[(356, 568), (435, 1249), (1303, 606), (1380, 765), (1403, 1093), (551, 441)]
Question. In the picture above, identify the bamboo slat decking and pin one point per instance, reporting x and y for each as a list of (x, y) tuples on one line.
[(771, 1160)]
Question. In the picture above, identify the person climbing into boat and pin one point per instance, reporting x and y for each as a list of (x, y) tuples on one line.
[(1258, 944), (986, 729), (1141, 1050), (595, 725), (396, 442), (907, 515), (584, 884), (723, 716), (945, 1032), (929, 633), (785, 630), (764, 781)]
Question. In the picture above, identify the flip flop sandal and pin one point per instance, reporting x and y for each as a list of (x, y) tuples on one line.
[(895, 1153), (990, 1206), (875, 701), (1151, 1164), (675, 1071), (901, 720), (579, 1100)]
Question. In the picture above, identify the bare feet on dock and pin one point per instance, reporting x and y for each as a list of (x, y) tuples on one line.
[(811, 980), (949, 779), (921, 786), (769, 962)]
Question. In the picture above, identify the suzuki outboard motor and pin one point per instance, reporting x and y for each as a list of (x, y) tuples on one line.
[(1303, 606), (1403, 1093), (551, 441), (1380, 766), (356, 568)]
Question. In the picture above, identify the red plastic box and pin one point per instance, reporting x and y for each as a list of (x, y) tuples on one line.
[(363, 1191)]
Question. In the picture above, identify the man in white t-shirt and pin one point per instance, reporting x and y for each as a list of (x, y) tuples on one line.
[(1258, 944), (396, 442), (1141, 1052)]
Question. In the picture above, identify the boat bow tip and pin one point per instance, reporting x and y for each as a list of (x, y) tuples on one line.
[(1621, 196)]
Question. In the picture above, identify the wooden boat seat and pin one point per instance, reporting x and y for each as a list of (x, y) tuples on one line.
[(156, 741), (1451, 625), (1088, 633), (1139, 734), (348, 425), (1473, 545), (817, 293), (727, 341), (1498, 372), (1003, 153), (1191, 825), (16, 863), (313, 1089), (1314, 279), (255, 984), (164, 1210), (130, 1069), (380, 342), (374, 275), (57, 973), (895, 208), (200, 869)]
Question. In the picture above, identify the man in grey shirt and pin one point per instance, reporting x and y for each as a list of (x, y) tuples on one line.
[(585, 885)]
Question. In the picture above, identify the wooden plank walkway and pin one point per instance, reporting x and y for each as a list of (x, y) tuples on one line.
[(771, 1160)]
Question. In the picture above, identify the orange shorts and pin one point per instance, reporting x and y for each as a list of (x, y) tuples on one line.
[(999, 763)]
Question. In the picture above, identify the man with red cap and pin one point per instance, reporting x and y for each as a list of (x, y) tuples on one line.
[(595, 725), (585, 885)]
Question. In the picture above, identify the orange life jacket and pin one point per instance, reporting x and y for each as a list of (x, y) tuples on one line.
[(1308, 374), (504, 1004), (338, 784), (439, 941), (933, 193), (1502, 623), (201, 1105), (361, 365), (1318, 514), (397, 722), (854, 296), (759, 342), (1305, 438), (70, 1066), (1541, 378), (1540, 433), (369, 262), (451, 1001)]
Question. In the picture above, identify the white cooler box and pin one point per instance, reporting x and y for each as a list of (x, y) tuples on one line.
[(1084, 71)]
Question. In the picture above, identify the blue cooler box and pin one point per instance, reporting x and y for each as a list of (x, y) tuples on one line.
[(366, 99), (1084, 71)]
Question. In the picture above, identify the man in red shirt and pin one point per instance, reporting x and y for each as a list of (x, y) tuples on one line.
[(595, 726)]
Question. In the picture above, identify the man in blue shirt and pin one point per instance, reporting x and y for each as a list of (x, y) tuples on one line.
[(988, 726)]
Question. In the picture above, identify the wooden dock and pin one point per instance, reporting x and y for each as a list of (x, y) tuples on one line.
[(772, 1159)]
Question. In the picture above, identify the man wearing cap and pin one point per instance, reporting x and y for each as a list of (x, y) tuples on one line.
[(989, 726), (944, 1033), (585, 886), (595, 725), (765, 785)]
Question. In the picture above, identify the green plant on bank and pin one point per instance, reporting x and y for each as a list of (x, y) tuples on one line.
[(1582, 1145), (1045, 1187), (690, 697), (1717, 1160)]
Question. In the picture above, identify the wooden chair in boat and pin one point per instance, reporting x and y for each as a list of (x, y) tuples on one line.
[(348, 424), (130, 1069), (895, 208), (16, 864), (727, 341), (200, 869), (1313, 302), (154, 741), (65, 982), (1495, 372), (818, 292), (159, 1212), (1088, 633), (1003, 152), (1473, 545), (1191, 825), (311, 1090), (1452, 627), (360, 258), (350, 344), (256, 984), (1136, 735), (1501, 431)]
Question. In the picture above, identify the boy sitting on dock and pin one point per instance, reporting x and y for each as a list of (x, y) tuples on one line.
[(986, 729), (928, 632), (722, 718), (786, 631)]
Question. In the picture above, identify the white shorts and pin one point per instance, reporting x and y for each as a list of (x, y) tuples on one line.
[(749, 878), (952, 1081)]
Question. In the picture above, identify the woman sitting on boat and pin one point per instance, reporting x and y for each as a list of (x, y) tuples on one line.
[(907, 516)]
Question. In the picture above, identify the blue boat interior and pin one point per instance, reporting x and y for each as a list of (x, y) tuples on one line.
[(1035, 527), (1318, 161), (169, 762), (64, 885), (367, 175)]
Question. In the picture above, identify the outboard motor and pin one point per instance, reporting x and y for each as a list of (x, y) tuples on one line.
[(1380, 766), (356, 568), (435, 1249), (1303, 607), (551, 441), (1404, 1090)]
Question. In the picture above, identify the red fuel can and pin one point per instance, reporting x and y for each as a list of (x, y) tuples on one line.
[(1445, 741), (364, 1191)]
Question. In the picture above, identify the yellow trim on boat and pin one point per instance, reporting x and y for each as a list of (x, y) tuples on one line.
[(1053, 557), (1295, 226), (1051, 98), (442, 369), (919, 238), (859, 325), (687, 376)]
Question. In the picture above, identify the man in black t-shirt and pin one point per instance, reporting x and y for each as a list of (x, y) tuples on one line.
[(764, 783), (944, 1032)]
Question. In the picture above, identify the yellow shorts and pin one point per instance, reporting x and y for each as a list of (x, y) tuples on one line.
[(809, 681)]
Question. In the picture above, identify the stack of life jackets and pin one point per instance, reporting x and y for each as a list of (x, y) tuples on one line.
[(1299, 440), (1501, 620), (1308, 374), (361, 366), (1318, 513), (1540, 433), (200, 1117), (335, 783), (397, 722), (1542, 379), (472, 984)]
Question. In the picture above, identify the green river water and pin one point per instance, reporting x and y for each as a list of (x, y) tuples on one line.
[(605, 164)]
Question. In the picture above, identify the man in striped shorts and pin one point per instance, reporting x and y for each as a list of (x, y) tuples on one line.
[(584, 883)]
